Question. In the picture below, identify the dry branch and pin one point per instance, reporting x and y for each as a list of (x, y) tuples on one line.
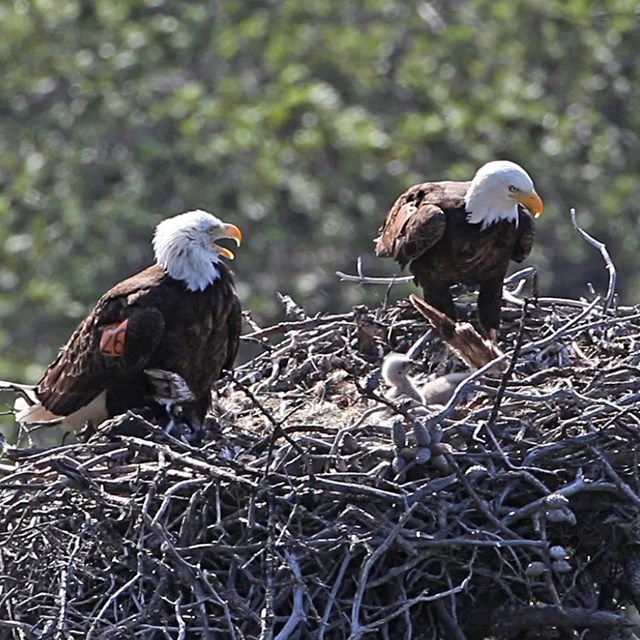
[(601, 247)]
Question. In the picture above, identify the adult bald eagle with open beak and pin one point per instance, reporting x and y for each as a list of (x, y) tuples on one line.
[(464, 232), (180, 315)]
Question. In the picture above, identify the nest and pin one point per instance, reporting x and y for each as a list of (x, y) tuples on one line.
[(317, 508)]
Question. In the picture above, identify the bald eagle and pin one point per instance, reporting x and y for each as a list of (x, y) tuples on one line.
[(179, 315), (464, 232)]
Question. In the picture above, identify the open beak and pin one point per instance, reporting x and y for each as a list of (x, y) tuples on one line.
[(233, 232), (532, 202)]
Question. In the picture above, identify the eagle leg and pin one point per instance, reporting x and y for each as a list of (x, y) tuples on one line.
[(489, 306), (438, 295)]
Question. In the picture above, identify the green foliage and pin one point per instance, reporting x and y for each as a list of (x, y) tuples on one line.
[(301, 122)]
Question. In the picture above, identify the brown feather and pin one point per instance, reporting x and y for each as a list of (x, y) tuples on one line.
[(463, 339), (192, 333), (427, 229)]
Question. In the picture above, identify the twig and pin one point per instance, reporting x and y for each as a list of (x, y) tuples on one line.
[(331, 600), (578, 485), (418, 346), (296, 325), (513, 623), (360, 279), (267, 621), (480, 504), (356, 629), (456, 633), (506, 376), (617, 480), (611, 269), (297, 615), (519, 275), (25, 391)]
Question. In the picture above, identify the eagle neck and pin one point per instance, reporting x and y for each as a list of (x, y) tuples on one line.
[(484, 208), (196, 269)]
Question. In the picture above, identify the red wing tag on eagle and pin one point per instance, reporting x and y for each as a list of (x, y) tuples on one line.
[(112, 340)]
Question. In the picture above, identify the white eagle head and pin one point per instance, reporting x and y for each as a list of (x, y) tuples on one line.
[(495, 192), (185, 247)]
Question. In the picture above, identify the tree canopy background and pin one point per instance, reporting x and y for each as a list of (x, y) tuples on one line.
[(301, 122)]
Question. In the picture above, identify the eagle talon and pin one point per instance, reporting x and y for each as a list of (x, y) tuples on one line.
[(170, 386)]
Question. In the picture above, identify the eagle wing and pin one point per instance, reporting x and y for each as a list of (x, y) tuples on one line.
[(113, 343), (413, 225), (526, 233), (234, 324)]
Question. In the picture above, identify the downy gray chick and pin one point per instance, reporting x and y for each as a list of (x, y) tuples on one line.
[(395, 372)]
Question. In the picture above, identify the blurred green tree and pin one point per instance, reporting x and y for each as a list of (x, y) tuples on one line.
[(301, 122)]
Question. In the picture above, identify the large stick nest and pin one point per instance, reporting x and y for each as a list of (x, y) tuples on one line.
[(313, 510)]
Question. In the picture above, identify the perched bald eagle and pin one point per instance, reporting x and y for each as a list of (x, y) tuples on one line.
[(179, 315), (464, 232)]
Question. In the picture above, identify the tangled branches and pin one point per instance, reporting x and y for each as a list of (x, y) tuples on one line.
[(296, 521), (318, 508)]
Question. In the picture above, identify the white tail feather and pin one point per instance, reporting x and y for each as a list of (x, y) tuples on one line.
[(34, 414), (95, 412)]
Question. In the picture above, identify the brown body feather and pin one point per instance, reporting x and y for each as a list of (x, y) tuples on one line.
[(427, 229), (192, 333)]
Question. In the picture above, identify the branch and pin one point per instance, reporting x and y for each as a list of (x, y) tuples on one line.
[(520, 275), (297, 615), (346, 277), (513, 623), (357, 629), (601, 247), (26, 391), (512, 365), (362, 279), (298, 325)]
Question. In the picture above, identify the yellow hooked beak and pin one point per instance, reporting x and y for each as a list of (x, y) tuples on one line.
[(531, 201), (233, 232)]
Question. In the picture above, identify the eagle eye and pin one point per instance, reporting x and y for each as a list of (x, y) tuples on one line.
[(513, 188)]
